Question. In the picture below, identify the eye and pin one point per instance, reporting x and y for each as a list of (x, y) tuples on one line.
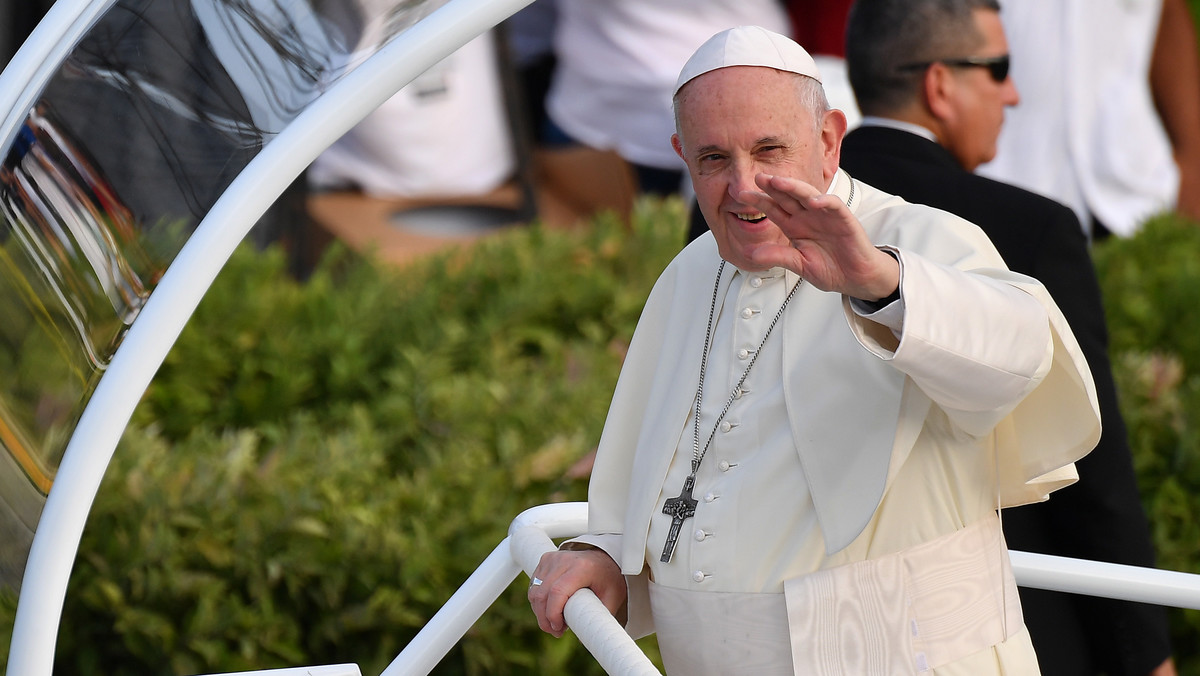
[(710, 162)]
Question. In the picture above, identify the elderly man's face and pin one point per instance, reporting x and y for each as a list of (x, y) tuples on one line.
[(737, 122)]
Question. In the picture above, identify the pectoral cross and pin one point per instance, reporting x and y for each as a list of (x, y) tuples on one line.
[(679, 509)]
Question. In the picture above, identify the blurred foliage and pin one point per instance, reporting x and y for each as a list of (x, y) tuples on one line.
[(1151, 287), (318, 466)]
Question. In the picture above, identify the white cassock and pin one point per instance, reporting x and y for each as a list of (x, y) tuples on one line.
[(846, 518)]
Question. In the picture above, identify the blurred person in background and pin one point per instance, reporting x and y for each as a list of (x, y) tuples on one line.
[(617, 61), (1110, 123)]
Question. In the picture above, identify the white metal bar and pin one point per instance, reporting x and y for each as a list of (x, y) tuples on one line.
[(40, 56), (529, 537), (455, 617), (557, 520), (90, 450), (1109, 580), (585, 614), (327, 670)]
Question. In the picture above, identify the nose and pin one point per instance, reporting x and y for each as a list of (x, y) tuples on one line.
[(741, 178), (1011, 96)]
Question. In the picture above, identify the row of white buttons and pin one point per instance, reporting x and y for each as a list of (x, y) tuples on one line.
[(725, 465), (747, 313)]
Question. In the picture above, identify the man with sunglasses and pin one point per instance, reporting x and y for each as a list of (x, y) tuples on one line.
[(931, 78)]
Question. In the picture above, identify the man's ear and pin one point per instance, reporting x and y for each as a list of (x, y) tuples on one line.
[(833, 130), (938, 87), (678, 146)]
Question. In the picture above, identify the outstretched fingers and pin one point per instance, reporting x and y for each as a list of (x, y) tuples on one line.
[(825, 244), (780, 197), (796, 198), (789, 194)]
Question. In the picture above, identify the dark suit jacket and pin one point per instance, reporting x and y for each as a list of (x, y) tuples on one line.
[(1101, 517)]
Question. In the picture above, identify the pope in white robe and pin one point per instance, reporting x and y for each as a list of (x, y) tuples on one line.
[(850, 387)]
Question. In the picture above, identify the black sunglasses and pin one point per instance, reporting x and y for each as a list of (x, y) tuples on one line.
[(997, 66)]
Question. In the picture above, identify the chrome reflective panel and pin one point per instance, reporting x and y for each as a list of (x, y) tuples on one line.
[(135, 137)]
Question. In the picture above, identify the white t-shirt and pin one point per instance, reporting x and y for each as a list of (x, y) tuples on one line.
[(618, 61), (1086, 132), (445, 134)]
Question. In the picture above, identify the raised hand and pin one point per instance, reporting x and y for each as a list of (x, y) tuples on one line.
[(826, 244)]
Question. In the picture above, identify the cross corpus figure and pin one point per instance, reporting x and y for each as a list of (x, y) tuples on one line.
[(679, 509)]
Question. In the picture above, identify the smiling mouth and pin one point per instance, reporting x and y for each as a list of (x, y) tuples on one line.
[(752, 218)]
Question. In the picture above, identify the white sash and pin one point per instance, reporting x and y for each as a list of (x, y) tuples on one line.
[(901, 614), (908, 612), (721, 633)]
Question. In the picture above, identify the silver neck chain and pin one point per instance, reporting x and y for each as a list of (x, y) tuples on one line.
[(697, 451)]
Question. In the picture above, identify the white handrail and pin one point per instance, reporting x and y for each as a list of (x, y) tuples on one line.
[(323, 670), (455, 617), (529, 537), (587, 617), (1109, 580)]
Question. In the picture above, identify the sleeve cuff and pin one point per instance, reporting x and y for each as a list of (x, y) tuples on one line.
[(886, 311)]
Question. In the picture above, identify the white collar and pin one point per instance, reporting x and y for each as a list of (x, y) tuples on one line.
[(875, 121), (832, 189)]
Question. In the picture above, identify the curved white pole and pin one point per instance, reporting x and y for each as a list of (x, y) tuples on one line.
[(161, 320), (40, 56)]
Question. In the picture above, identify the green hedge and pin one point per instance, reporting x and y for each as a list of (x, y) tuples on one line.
[(318, 466), (1151, 286)]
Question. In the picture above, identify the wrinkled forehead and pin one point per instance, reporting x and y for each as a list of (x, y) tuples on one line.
[(740, 103)]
